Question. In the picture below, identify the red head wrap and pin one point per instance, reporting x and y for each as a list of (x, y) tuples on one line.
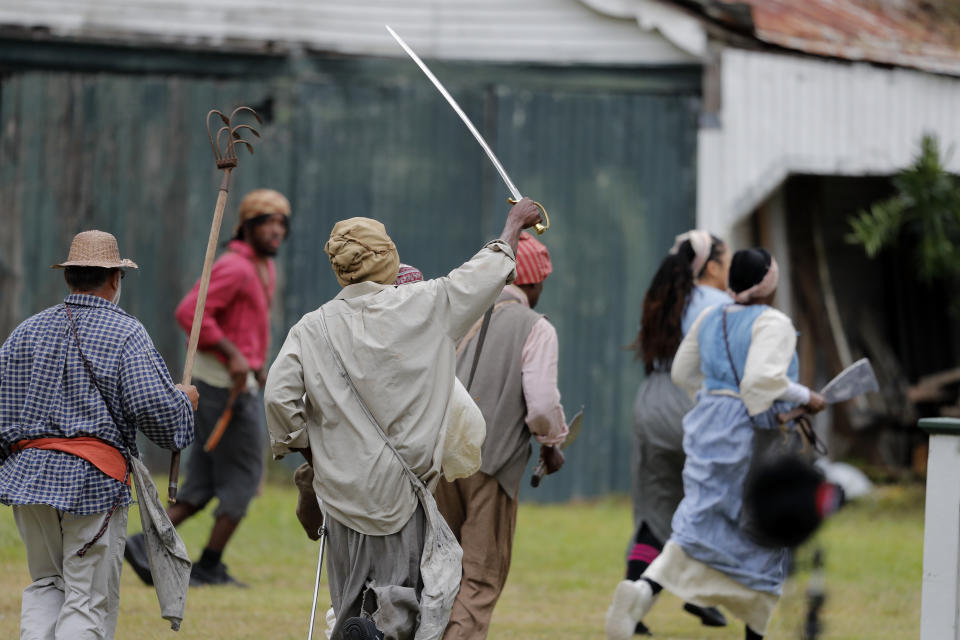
[(408, 274), (533, 260)]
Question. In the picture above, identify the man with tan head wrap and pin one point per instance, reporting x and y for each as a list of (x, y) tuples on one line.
[(360, 250), (363, 387)]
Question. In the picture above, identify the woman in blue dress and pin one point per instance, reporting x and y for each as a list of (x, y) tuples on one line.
[(740, 361), (691, 278)]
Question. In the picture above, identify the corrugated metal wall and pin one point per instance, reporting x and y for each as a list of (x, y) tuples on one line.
[(610, 152), (539, 31)]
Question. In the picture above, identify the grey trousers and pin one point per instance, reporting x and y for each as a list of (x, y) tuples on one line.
[(70, 597), (232, 471), (378, 575)]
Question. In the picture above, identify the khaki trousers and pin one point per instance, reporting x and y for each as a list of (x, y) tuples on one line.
[(71, 597), (483, 518)]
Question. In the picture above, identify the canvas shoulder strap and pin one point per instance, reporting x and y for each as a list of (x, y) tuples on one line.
[(342, 370), (482, 326), (126, 454), (93, 378)]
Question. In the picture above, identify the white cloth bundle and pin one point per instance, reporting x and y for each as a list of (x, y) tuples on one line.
[(466, 431)]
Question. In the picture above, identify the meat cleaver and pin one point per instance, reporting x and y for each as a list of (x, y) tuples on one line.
[(853, 381)]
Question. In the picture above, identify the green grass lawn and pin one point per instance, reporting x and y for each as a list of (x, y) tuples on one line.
[(567, 559)]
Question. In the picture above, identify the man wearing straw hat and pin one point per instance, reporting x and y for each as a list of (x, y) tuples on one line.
[(76, 383), (230, 369), (363, 386)]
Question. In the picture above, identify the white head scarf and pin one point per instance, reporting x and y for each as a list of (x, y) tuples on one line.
[(701, 242)]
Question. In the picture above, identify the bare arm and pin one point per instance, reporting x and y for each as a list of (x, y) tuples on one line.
[(237, 364), (470, 289), (523, 214)]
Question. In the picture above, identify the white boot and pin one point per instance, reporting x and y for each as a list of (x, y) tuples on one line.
[(631, 601)]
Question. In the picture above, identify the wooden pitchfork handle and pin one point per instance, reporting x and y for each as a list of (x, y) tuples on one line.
[(538, 473), (224, 420), (198, 316), (224, 144)]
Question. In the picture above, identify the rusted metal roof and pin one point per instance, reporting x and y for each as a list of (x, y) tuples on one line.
[(921, 34)]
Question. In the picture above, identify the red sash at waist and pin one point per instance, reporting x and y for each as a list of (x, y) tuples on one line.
[(102, 455)]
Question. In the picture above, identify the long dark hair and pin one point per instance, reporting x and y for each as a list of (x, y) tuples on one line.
[(664, 303)]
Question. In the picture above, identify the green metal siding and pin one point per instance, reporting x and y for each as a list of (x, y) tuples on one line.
[(611, 153)]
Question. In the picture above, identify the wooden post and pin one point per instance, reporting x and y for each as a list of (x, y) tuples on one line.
[(941, 540)]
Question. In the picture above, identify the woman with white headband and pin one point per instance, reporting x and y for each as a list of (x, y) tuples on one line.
[(740, 360), (691, 278), (709, 260)]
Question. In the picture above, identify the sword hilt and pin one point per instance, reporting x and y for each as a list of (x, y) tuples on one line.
[(539, 227), (538, 474)]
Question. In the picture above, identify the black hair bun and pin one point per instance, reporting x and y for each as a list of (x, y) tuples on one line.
[(748, 267)]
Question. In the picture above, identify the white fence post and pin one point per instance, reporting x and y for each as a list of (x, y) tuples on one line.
[(941, 537)]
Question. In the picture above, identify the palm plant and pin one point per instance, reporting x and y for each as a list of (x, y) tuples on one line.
[(924, 215)]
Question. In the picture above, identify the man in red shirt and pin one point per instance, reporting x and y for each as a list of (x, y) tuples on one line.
[(231, 362)]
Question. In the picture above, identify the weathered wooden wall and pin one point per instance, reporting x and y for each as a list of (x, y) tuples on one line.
[(611, 152), (785, 115)]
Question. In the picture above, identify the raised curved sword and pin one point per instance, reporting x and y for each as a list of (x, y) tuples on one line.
[(540, 227)]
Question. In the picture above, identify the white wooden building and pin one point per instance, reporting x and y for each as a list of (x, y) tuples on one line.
[(854, 102)]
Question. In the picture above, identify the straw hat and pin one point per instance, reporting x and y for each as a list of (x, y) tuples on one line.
[(95, 249)]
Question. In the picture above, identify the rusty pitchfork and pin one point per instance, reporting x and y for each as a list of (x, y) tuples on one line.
[(224, 144)]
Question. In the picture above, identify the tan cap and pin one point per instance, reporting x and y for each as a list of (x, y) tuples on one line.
[(95, 249), (258, 202)]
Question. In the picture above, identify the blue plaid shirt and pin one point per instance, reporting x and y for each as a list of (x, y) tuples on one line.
[(45, 391)]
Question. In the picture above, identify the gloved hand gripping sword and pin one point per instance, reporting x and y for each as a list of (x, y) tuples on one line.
[(224, 144)]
